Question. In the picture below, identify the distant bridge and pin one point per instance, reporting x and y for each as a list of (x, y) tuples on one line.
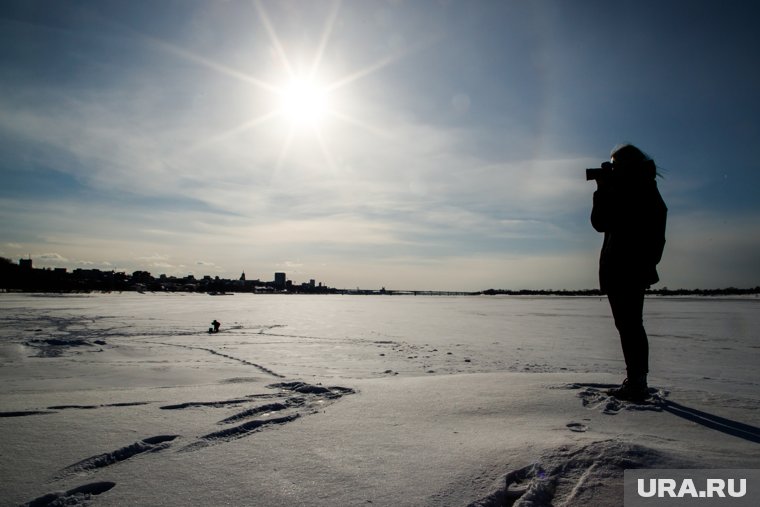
[(384, 292)]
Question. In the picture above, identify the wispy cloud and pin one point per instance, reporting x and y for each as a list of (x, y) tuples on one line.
[(51, 258)]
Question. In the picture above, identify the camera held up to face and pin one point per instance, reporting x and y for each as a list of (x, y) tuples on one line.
[(598, 173)]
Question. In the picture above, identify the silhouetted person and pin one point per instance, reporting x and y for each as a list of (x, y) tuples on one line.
[(630, 212), (216, 325)]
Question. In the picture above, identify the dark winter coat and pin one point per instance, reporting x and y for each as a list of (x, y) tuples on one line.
[(630, 212)]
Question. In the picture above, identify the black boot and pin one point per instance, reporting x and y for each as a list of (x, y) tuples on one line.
[(633, 389)]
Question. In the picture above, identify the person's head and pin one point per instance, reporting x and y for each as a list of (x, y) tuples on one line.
[(628, 159)]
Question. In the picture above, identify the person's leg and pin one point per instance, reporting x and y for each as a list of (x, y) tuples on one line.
[(627, 309)]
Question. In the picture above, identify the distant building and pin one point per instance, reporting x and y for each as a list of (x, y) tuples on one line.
[(25, 263), (87, 274), (142, 277), (242, 277), (312, 283), (280, 280)]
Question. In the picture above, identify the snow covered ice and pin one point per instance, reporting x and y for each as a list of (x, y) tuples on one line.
[(126, 399)]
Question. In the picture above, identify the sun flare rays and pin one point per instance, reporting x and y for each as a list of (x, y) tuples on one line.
[(302, 101)]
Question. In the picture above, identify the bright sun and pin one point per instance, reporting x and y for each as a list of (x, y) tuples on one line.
[(304, 102)]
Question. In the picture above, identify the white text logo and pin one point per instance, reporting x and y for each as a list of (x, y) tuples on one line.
[(714, 488)]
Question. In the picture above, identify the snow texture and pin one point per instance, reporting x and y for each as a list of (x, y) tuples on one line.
[(125, 399)]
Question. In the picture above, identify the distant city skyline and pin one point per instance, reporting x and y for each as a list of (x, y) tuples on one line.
[(279, 279), (428, 144), (25, 277)]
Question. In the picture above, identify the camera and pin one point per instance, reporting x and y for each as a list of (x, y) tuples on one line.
[(598, 173)]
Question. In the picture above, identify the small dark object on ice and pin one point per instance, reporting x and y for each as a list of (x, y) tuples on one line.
[(215, 328)]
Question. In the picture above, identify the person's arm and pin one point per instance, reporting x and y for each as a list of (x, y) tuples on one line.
[(658, 229), (601, 212)]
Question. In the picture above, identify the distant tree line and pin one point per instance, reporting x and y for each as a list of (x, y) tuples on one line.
[(542, 292), (728, 291)]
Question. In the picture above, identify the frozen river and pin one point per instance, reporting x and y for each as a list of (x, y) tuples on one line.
[(699, 340), (126, 399)]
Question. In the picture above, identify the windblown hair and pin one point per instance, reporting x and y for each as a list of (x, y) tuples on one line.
[(629, 154)]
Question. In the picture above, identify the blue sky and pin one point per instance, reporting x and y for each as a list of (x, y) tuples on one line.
[(434, 145)]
